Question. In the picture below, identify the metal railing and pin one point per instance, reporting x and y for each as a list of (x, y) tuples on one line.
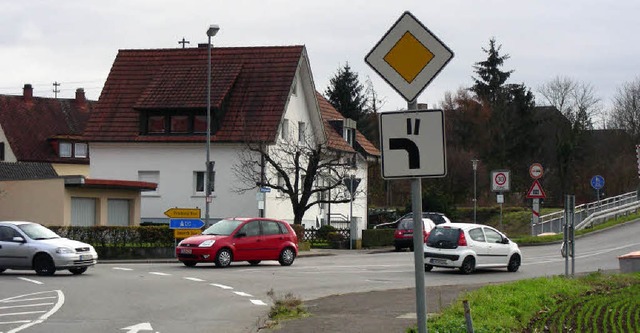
[(603, 209)]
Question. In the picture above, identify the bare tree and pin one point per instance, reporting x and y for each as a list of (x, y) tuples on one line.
[(576, 100), (307, 172), (625, 113)]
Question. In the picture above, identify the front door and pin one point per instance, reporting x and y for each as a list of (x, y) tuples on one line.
[(499, 252), (12, 253)]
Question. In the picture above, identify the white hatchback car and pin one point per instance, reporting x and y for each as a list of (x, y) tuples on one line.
[(31, 246), (468, 246)]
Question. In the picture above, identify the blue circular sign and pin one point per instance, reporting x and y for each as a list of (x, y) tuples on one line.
[(597, 182)]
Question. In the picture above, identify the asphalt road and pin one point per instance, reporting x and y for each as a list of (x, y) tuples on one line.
[(168, 297)]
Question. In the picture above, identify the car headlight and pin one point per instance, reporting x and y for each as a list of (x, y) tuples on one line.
[(64, 250), (207, 243)]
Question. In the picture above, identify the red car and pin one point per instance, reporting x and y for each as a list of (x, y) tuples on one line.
[(240, 239), (403, 237)]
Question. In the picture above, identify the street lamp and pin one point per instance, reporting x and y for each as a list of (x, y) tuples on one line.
[(474, 163), (212, 31)]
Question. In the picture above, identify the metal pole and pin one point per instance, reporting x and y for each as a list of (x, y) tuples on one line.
[(351, 191), (208, 143), (475, 196), (418, 245)]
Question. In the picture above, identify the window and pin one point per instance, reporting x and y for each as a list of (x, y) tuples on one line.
[(1, 151), (285, 129), (80, 150), (200, 124), (152, 177), (155, 124), (65, 149), (294, 87), (350, 135), (270, 228), (180, 124), (280, 184), (492, 236), (301, 132), (199, 182), (251, 229), (476, 234), (7, 234)]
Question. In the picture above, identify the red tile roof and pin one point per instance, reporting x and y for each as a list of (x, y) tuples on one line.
[(252, 82), (29, 123), (336, 141)]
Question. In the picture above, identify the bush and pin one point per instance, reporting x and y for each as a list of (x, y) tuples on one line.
[(324, 231), (377, 237)]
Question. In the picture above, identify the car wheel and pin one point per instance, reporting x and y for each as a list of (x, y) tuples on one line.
[(223, 258), (77, 270), (514, 263), (287, 256), (254, 262), (468, 265), (427, 268), (189, 263), (43, 265)]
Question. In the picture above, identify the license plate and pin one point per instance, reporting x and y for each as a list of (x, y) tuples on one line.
[(185, 251), (86, 257), (438, 261), (409, 234)]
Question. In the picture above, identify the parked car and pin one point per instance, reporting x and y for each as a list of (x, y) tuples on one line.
[(437, 218), (469, 246), (403, 237), (31, 246), (240, 239)]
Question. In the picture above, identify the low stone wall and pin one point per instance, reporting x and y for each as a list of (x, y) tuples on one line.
[(630, 262)]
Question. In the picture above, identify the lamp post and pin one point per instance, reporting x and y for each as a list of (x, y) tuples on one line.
[(212, 31), (474, 163)]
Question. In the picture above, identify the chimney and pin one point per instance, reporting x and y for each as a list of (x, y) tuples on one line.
[(27, 92), (80, 98)]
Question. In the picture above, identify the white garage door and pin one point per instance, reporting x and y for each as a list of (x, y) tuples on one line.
[(83, 212), (118, 212)]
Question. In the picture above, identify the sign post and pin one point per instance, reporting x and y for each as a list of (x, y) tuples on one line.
[(500, 182), (408, 57)]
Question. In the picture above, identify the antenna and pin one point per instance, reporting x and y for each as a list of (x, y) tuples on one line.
[(55, 89)]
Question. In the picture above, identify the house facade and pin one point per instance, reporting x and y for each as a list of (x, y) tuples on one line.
[(44, 166), (150, 125)]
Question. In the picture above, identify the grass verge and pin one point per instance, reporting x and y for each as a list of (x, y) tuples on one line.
[(554, 304), (285, 307)]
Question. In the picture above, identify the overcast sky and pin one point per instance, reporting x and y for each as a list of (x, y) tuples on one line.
[(75, 42)]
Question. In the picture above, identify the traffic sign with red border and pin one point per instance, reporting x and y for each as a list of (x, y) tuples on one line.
[(536, 171), (500, 180), (536, 191)]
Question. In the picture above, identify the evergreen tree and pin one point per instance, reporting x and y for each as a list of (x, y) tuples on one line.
[(488, 87), (346, 94)]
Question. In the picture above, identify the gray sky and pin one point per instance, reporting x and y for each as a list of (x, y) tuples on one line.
[(75, 42)]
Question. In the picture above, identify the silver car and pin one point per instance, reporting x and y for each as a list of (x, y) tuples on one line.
[(31, 246)]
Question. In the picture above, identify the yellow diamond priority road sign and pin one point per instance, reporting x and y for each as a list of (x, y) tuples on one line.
[(409, 56)]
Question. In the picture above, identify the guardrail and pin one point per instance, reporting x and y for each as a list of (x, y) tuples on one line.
[(552, 223)]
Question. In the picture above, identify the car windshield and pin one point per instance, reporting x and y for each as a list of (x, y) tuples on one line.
[(406, 224), (222, 227), (37, 231)]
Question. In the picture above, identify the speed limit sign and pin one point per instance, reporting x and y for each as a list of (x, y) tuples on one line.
[(500, 180)]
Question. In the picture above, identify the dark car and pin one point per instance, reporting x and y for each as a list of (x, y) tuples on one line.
[(437, 218), (403, 237), (241, 239)]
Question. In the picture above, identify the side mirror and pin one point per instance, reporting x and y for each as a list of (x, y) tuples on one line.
[(18, 239), (505, 240), (241, 234)]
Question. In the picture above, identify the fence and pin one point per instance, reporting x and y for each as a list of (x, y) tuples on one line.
[(553, 222), (323, 235)]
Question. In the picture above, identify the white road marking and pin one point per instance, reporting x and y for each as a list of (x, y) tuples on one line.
[(24, 306), (193, 279), (240, 293), (222, 286), (123, 269), (258, 302), (42, 318), (19, 313), (14, 322), (29, 280), (160, 273)]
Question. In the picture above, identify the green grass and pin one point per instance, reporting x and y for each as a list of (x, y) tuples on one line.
[(285, 307), (595, 302)]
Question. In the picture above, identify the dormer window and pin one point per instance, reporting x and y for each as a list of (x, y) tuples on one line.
[(349, 131), (73, 149), (65, 149)]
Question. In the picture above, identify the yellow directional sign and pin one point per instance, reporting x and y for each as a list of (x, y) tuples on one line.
[(184, 233), (183, 212)]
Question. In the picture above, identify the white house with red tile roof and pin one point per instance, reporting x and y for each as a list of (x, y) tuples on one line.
[(150, 125)]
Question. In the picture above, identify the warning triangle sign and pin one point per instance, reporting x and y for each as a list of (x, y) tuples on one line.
[(536, 192)]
